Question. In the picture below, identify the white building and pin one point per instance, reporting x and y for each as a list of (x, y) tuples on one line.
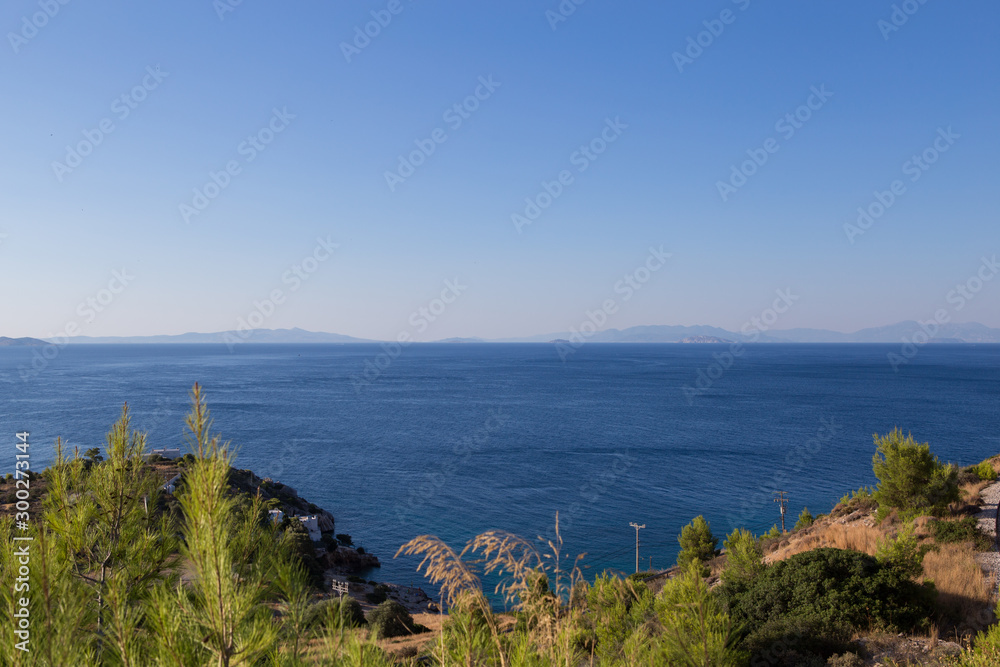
[(171, 484), (167, 452), (312, 525)]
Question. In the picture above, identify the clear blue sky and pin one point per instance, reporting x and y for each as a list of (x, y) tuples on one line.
[(323, 175)]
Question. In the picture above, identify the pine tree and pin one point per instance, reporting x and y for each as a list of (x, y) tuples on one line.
[(230, 568), (697, 544)]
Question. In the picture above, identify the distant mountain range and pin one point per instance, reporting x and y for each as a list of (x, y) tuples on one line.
[(969, 332), (253, 336), (19, 342)]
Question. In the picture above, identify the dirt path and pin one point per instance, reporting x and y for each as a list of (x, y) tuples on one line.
[(990, 561)]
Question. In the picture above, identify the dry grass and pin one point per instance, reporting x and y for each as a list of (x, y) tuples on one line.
[(856, 535), (970, 500), (964, 591)]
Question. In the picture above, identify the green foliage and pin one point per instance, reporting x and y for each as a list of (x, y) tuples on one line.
[(985, 471), (230, 550), (774, 532), (744, 556), (848, 659), (390, 619), (304, 551), (466, 639), (697, 544), (379, 595), (837, 587), (99, 513), (338, 612), (93, 455), (617, 609), (796, 641), (805, 519), (910, 477), (985, 651), (344, 539), (696, 628), (902, 553), (963, 530), (864, 494)]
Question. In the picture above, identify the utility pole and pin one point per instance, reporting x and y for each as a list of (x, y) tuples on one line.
[(637, 528), (782, 501)]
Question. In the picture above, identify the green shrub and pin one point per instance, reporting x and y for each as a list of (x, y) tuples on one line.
[(355, 579), (910, 477), (985, 651), (344, 539), (963, 530), (361, 550), (985, 471), (338, 612), (846, 660), (302, 548), (774, 532), (744, 556), (617, 608), (800, 641), (377, 596), (902, 553), (836, 586), (390, 619), (697, 544), (805, 519), (862, 499), (695, 624)]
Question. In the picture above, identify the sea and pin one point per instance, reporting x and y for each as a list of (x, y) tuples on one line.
[(453, 440)]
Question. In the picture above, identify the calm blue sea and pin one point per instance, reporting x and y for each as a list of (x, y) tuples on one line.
[(456, 439)]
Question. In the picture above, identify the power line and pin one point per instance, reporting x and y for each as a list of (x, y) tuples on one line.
[(637, 529), (782, 501)]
